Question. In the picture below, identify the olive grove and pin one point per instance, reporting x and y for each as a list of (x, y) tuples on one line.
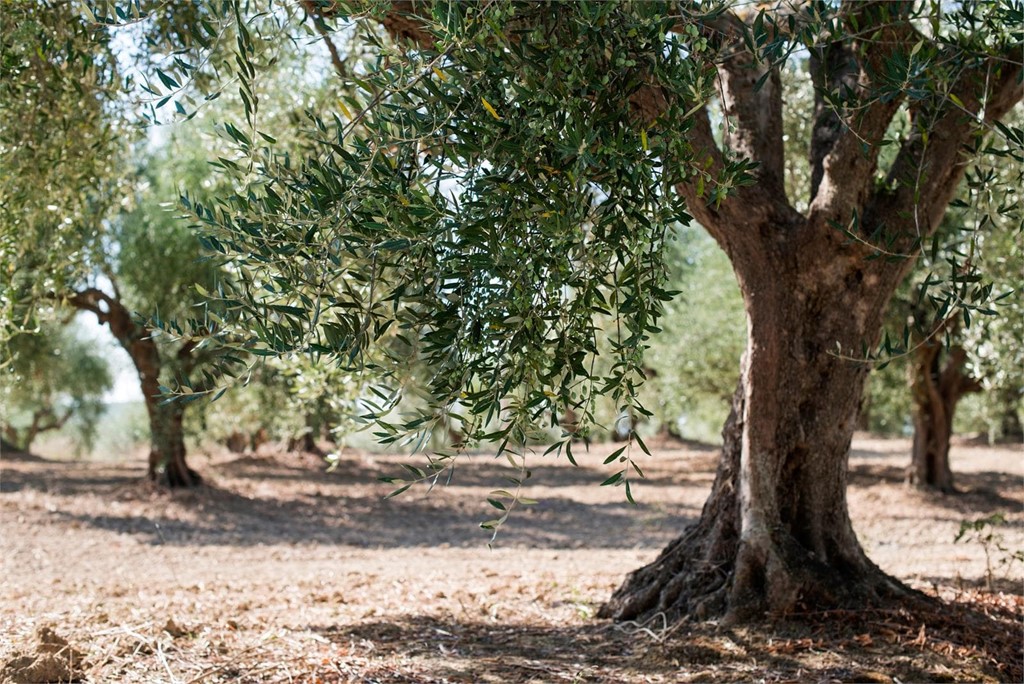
[(495, 188)]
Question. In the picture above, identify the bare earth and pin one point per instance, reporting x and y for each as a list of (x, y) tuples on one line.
[(279, 572)]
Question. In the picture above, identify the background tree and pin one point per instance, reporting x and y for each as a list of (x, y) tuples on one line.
[(108, 247), (996, 355), (78, 179), (695, 358), (520, 168), (940, 373), (49, 378)]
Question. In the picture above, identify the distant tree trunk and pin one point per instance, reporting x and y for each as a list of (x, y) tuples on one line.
[(167, 445), (43, 420), (570, 422), (313, 428), (166, 420), (8, 448), (669, 430), (936, 392), (1010, 428)]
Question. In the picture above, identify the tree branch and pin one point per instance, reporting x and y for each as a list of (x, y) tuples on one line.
[(931, 163), (318, 14), (845, 144), (134, 338), (750, 90), (91, 299), (706, 151), (834, 71), (405, 22)]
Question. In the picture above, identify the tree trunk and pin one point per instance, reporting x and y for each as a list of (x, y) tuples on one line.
[(167, 437), (8, 447), (1010, 428), (936, 392), (775, 534), (167, 445)]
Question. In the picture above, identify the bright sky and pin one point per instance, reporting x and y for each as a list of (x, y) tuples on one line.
[(126, 380)]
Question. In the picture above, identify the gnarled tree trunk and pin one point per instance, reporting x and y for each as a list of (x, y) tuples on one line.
[(775, 534), (936, 390)]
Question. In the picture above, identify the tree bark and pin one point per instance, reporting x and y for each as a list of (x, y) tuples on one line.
[(936, 390), (167, 445), (775, 535)]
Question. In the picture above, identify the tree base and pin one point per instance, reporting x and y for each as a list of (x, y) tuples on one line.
[(913, 479), (181, 477), (700, 578), (716, 571)]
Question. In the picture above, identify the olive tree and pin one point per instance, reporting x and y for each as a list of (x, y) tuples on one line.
[(51, 377), (88, 216), (946, 343), (81, 229), (504, 175)]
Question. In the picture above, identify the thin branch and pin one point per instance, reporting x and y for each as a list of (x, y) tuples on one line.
[(931, 161), (319, 22)]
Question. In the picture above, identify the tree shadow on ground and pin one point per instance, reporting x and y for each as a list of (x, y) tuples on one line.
[(465, 650), (978, 492), (477, 469), (931, 642), (347, 506), (225, 518)]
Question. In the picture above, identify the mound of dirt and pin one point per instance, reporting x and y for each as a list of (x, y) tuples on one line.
[(52, 659)]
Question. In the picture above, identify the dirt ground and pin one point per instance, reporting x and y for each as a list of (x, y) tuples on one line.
[(277, 571)]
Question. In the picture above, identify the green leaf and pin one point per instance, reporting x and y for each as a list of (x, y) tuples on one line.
[(614, 479), (614, 455), (167, 80)]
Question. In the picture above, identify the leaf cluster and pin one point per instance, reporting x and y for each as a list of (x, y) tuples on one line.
[(492, 207)]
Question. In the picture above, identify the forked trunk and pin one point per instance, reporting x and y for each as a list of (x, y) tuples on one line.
[(775, 534), (936, 392)]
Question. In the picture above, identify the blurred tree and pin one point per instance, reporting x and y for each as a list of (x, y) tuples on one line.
[(49, 378), (696, 357), (108, 248), (996, 348), (79, 178), (944, 339)]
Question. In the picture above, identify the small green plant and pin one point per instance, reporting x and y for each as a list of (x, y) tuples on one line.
[(983, 531)]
